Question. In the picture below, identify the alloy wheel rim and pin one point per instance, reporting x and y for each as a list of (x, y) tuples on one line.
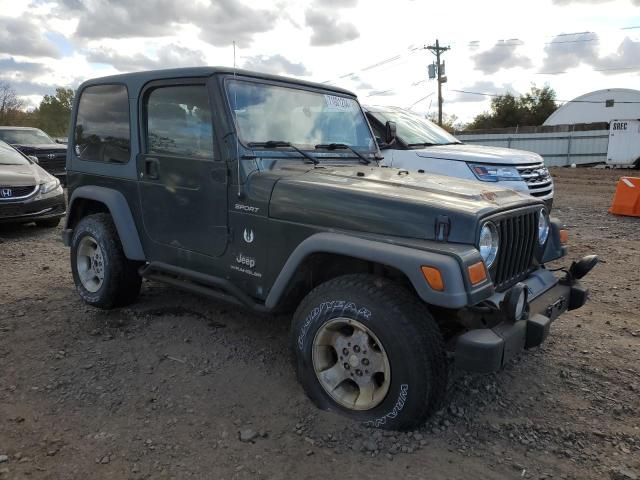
[(90, 264), (351, 364)]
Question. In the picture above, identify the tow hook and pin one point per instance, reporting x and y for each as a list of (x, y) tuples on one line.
[(579, 269)]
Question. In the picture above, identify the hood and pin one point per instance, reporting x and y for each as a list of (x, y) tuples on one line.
[(389, 201), (22, 175), (48, 147), (480, 154)]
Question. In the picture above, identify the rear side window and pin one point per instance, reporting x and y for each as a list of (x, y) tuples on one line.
[(102, 126), (179, 122)]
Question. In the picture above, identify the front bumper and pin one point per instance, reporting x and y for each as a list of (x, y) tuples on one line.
[(486, 350), (33, 209)]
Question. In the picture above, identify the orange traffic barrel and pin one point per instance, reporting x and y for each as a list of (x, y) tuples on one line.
[(626, 200)]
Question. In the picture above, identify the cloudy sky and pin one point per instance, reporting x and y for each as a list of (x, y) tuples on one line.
[(372, 47)]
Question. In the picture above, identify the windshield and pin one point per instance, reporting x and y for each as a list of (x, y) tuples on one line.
[(412, 128), (9, 156), (301, 117), (25, 137)]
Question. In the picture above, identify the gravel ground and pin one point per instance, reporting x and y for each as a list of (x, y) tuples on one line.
[(181, 387)]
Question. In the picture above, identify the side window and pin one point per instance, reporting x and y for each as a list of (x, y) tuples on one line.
[(102, 126), (378, 130), (179, 122)]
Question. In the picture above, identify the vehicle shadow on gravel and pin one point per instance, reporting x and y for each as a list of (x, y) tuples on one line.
[(13, 231)]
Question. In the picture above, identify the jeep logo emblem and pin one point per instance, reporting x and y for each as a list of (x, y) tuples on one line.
[(5, 193)]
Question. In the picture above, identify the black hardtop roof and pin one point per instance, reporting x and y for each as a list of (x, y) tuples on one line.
[(136, 80)]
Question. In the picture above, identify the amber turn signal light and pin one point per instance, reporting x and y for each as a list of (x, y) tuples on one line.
[(564, 236), (434, 278), (477, 273)]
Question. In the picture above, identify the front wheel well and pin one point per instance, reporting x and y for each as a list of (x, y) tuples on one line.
[(318, 268), (82, 207)]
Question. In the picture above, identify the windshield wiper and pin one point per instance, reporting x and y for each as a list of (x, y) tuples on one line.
[(281, 143), (344, 146)]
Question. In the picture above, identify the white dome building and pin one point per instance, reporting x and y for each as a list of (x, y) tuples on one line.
[(598, 106)]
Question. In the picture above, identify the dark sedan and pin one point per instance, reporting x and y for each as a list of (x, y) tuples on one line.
[(27, 192), (51, 155)]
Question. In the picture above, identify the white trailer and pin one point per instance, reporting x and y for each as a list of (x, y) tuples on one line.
[(624, 143)]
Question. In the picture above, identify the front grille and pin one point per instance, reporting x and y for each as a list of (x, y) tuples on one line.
[(538, 179), (12, 193), (11, 210), (52, 162), (518, 237)]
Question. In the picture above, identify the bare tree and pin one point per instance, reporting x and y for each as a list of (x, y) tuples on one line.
[(9, 102)]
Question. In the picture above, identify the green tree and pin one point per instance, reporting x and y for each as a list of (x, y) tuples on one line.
[(507, 110), (54, 112), (451, 123)]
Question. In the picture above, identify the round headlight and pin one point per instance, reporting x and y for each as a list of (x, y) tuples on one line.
[(488, 244), (543, 226)]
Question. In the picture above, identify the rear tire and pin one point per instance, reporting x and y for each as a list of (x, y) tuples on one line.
[(48, 223), (367, 348), (104, 277)]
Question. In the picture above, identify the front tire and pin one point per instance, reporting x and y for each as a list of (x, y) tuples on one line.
[(103, 275), (369, 349)]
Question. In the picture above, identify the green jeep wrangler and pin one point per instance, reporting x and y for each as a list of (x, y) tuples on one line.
[(264, 191)]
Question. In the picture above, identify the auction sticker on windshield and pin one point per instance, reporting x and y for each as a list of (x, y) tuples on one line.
[(338, 103)]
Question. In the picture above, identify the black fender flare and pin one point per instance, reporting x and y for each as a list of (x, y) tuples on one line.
[(407, 260), (120, 212)]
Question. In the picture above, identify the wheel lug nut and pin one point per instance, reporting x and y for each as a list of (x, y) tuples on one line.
[(346, 366), (356, 348), (359, 372), (345, 351), (365, 361)]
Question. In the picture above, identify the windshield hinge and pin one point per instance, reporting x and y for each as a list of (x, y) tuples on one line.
[(443, 226)]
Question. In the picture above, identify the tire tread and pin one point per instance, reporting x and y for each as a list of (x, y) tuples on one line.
[(413, 316)]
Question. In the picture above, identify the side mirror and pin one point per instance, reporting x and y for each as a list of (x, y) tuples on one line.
[(34, 159), (389, 132)]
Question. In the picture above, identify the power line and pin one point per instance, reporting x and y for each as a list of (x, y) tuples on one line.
[(380, 93), (611, 69), (378, 64), (512, 41), (418, 101)]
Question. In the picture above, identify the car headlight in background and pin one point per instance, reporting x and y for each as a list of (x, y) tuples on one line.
[(494, 173), (488, 244), (543, 226), (49, 186)]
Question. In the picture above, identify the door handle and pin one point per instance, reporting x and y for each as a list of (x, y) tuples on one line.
[(151, 168)]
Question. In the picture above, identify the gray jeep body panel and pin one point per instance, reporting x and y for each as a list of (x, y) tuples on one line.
[(120, 212), (407, 260)]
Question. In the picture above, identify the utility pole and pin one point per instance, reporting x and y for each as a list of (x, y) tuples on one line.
[(437, 50)]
